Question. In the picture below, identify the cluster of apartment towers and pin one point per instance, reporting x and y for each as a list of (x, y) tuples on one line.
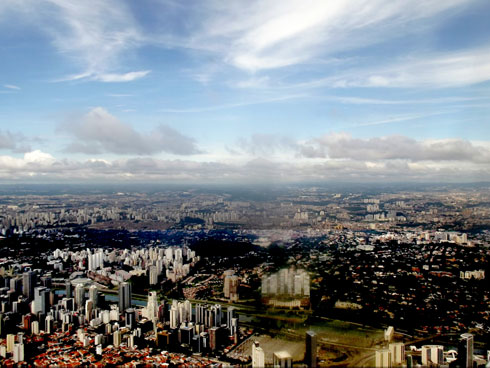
[(282, 359), (429, 355)]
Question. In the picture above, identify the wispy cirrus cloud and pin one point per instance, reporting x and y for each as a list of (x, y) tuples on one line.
[(401, 118), (12, 86), (107, 77), (260, 101), (93, 35), (449, 69), (266, 35)]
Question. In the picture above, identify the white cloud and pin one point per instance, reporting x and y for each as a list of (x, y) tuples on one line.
[(93, 34), (335, 156), (374, 101), (253, 36), (264, 100), (99, 132), (39, 166), (15, 142), (34, 160), (400, 118), (108, 77), (257, 35), (126, 77), (344, 146), (452, 69), (11, 86)]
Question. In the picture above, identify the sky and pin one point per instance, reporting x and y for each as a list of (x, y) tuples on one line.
[(244, 91)]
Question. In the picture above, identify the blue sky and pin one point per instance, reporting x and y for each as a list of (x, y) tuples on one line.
[(244, 91)]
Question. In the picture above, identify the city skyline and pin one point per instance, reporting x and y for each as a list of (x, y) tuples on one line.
[(206, 92)]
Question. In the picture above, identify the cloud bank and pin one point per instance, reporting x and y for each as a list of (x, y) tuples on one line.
[(98, 132), (335, 156), (396, 147)]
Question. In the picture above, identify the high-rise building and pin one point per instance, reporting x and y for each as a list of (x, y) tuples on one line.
[(16, 284), (174, 316), (287, 282), (230, 287), (187, 311), (389, 332), (28, 284), (230, 314), (124, 296), (311, 352), (18, 353), (216, 315), (181, 310), (89, 307), (153, 275), (432, 355), (383, 358), (213, 338), (46, 281), (234, 329), (185, 335), (116, 338), (48, 324), (93, 295), (162, 312), (258, 356), (200, 314), (397, 351), (41, 299), (130, 318), (80, 296), (10, 343), (282, 359), (465, 351), (35, 327), (68, 289), (152, 306)]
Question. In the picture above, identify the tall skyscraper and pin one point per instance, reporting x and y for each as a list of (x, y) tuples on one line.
[(282, 359), (41, 299), (28, 284), (258, 356), (130, 318), (116, 338), (174, 316), (80, 296), (465, 351), (187, 311), (230, 314), (152, 306), (397, 351), (383, 358), (153, 275), (432, 354), (311, 352), (68, 288), (89, 307), (18, 355), (93, 295), (230, 287), (124, 296)]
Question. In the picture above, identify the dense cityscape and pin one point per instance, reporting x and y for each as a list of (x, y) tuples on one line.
[(244, 184), (195, 279)]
